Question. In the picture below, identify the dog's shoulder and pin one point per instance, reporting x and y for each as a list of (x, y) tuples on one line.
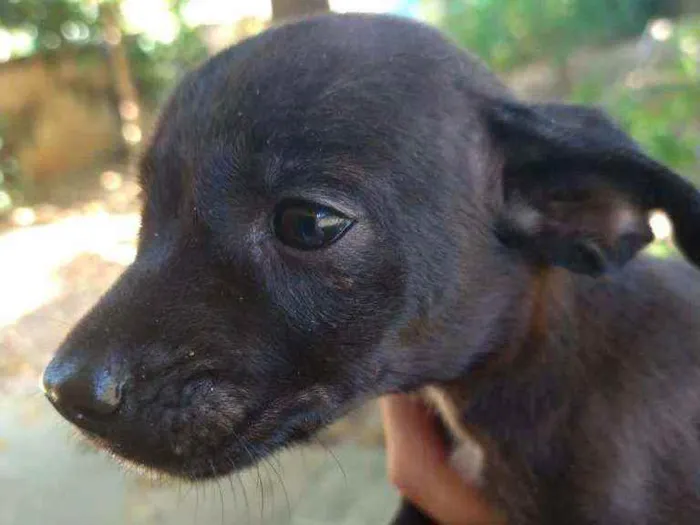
[(648, 290)]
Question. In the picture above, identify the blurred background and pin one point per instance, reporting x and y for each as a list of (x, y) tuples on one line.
[(80, 83)]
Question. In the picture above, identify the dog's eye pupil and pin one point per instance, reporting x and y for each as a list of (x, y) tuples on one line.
[(309, 226)]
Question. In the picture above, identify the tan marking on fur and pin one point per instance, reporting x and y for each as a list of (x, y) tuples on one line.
[(626, 219), (469, 457), (469, 460)]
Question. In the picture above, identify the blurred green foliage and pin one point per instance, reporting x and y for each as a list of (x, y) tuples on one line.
[(663, 115), (156, 66), (508, 33), (40, 26)]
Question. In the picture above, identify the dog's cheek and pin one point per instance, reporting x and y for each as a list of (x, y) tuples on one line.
[(359, 290)]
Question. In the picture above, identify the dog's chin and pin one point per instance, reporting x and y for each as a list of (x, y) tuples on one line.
[(235, 454)]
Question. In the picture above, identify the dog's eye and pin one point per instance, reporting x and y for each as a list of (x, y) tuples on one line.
[(309, 226)]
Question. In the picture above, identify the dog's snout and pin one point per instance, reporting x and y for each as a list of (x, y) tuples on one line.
[(82, 392)]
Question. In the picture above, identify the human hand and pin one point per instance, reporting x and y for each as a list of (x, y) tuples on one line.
[(418, 465)]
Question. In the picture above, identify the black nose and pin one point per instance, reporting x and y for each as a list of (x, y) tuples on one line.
[(81, 392)]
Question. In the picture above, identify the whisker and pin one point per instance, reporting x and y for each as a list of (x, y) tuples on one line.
[(221, 495), (335, 458), (233, 490), (281, 482), (268, 483), (260, 483), (189, 488), (196, 505), (239, 477)]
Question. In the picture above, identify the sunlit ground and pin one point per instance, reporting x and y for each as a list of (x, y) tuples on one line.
[(28, 276), (55, 264)]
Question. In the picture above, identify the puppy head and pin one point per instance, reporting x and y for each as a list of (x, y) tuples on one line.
[(335, 209)]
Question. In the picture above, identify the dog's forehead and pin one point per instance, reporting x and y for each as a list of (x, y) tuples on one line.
[(325, 67), (332, 93)]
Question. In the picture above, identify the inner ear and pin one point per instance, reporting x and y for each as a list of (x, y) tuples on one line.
[(577, 190), (589, 229)]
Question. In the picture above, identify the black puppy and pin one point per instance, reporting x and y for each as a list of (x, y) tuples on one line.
[(350, 205)]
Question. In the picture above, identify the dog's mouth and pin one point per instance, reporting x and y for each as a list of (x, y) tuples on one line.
[(236, 454), (206, 428)]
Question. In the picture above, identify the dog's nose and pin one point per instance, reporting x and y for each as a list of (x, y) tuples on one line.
[(81, 392)]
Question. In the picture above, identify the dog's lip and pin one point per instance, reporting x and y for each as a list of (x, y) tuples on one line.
[(238, 452), (263, 431)]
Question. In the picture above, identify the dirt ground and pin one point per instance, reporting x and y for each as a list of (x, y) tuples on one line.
[(51, 272)]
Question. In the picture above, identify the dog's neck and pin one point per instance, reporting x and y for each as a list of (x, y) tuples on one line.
[(526, 385)]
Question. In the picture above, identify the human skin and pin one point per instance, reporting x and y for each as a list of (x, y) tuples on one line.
[(418, 466)]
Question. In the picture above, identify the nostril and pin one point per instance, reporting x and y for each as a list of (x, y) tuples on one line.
[(107, 393), (82, 391)]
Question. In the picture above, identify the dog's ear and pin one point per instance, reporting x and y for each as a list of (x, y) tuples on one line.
[(578, 190)]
